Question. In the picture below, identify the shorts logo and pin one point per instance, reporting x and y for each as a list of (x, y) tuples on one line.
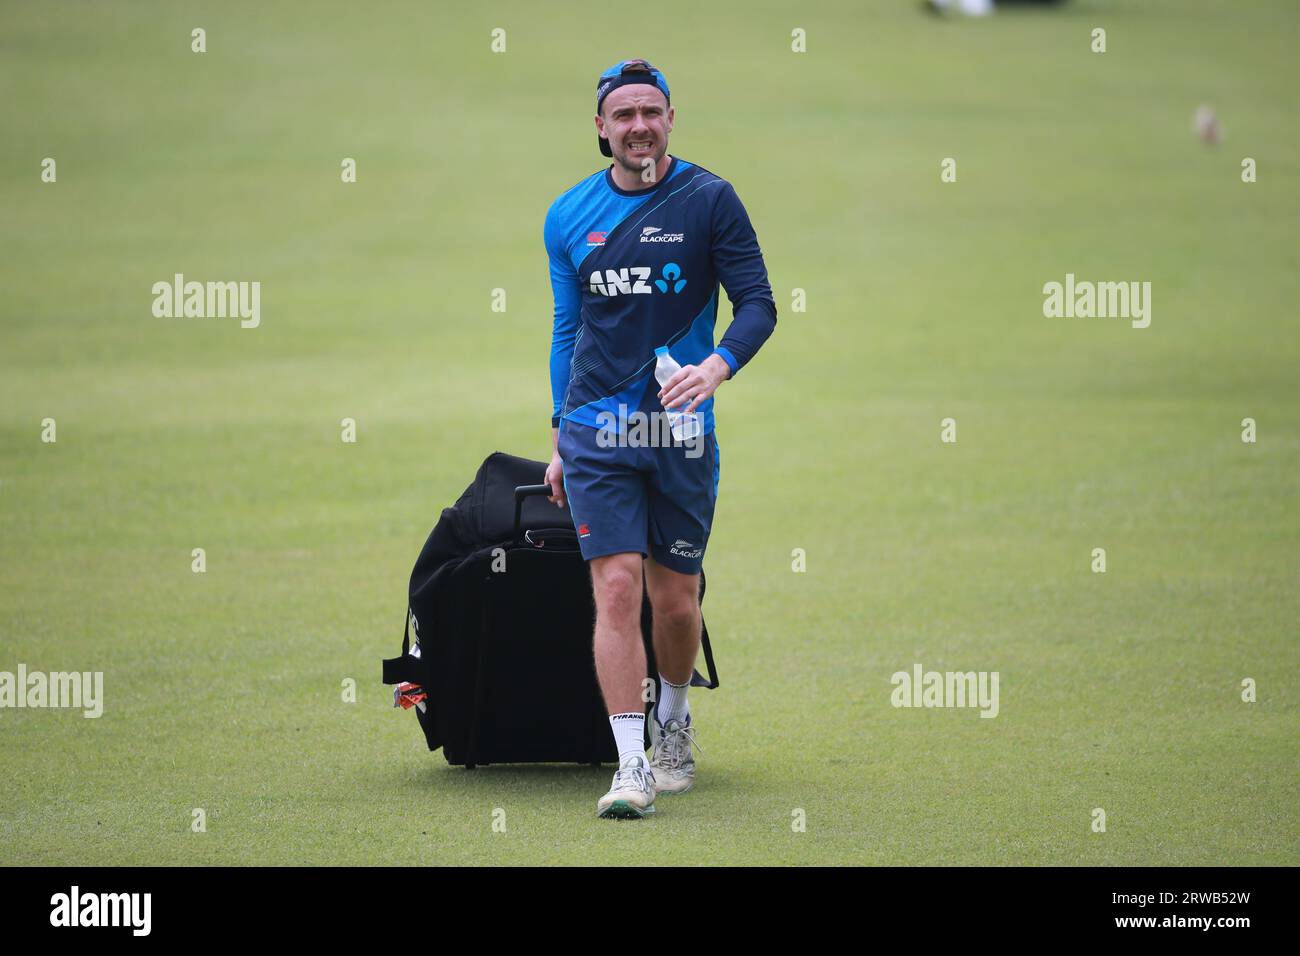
[(596, 238), (583, 531), (679, 547)]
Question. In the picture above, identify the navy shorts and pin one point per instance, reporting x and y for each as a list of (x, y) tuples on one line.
[(654, 500)]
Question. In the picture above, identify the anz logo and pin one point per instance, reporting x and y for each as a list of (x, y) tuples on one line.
[(632, 281)]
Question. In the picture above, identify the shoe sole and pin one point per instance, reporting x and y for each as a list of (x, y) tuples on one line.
[(690, 782), (622, 810), (674, 793)]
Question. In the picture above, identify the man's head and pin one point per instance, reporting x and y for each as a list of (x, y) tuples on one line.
[(634, 114)]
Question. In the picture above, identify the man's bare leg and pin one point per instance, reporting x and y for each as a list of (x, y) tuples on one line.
[(620, 667), (620, 655), (675, 599)]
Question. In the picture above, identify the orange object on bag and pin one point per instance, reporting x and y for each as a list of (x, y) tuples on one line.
[(408, 695)]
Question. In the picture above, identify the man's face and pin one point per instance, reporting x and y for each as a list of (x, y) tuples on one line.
[(636, 120)]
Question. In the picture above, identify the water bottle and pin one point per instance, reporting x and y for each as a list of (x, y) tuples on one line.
[(684, 425)]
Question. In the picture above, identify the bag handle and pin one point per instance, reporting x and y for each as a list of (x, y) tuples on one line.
[(537, 537), (526, 491)]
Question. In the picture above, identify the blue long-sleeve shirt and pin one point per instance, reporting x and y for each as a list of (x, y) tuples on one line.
[(634, 270)]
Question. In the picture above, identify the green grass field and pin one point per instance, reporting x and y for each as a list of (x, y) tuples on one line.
[(1119, 691)]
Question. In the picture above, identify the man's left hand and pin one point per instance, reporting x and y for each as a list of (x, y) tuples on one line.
[(696, 382)]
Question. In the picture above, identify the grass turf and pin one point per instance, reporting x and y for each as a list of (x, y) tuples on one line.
[(1119, 690)]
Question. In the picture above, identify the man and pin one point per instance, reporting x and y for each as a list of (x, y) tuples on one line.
[(636, 254)]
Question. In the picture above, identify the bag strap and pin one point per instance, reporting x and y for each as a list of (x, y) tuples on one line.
[(399, 670), (712, 682)]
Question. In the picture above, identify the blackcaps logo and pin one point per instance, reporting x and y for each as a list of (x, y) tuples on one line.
[(656, 234), (679, 548)]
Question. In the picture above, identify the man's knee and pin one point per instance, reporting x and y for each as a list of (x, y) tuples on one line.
[(677, 609), (616, 583)]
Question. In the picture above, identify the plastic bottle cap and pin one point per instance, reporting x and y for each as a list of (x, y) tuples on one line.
[(662, 350)]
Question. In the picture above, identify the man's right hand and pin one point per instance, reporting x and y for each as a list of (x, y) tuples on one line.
[(555, 478)]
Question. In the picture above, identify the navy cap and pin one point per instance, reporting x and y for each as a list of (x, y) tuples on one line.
[(625, 73)]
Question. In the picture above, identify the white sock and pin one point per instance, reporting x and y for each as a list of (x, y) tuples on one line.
[(629, 735), (672, 701)]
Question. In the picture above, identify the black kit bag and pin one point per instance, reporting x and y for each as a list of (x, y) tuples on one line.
[(501, 670)]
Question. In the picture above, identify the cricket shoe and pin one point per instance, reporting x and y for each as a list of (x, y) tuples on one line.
[(632, 795), (671, 759)]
